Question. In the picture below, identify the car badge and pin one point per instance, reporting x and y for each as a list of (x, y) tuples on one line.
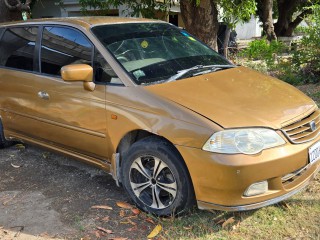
[(313, 126)]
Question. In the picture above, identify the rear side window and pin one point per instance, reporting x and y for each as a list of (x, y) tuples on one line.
[(63, 46), (17, 48)]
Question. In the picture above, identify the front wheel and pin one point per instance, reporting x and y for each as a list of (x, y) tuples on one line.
[(3, 142), (156, 178)]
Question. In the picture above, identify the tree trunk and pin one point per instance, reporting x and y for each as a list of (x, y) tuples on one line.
[(284, 26), (267, 20), (11, 10), (6, 15), (202, 20)]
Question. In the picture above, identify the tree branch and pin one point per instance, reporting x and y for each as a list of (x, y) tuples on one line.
[(300, 18), (19, 6)]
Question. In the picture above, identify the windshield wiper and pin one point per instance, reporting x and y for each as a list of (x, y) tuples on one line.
[(209, 68)]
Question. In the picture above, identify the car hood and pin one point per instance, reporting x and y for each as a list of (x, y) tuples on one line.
[(238, 97)]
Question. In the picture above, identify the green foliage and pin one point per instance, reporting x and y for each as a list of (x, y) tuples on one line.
[(307, 56), (263, 50), (144, 8), (235, 11)]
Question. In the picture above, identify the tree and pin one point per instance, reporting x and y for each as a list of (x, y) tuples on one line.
[(288, 14), (233, 12), (201, 20), (265, 13), (11, 10)]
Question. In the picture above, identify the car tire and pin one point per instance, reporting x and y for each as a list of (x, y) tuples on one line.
[(165, 191), (3, 142)]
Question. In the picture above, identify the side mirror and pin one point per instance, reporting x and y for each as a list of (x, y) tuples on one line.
[(79, 72)]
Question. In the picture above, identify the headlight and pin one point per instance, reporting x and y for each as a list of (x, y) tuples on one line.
[(247, 141)]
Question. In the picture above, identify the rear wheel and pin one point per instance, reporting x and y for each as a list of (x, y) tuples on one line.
[(156, 177)]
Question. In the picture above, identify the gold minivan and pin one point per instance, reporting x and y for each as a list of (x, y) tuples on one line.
[(174, 123)]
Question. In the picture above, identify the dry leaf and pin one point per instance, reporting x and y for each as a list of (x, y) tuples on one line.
[(20, 146), (132, 222), (102, 207), (122, 214), (220, 221), (124, 205), (284, 204), (187, 228), (150, 220), (97, 234), (229, 221), (155, 231), (105, 219), (105, 230), (118, 238), (15, 166), (135, 211)]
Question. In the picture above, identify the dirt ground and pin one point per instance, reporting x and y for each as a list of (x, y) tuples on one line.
[(45, 195)]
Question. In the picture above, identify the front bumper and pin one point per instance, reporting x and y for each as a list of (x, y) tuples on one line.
[(220, 180), (206, 205)]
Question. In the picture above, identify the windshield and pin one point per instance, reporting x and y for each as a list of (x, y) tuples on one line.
[(156, 52)]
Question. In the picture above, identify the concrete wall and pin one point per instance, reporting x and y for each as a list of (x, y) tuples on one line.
[(249, 30)]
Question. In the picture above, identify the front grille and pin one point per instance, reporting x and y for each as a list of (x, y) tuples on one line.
[(301, 131)]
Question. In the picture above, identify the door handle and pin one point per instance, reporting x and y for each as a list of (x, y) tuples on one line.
[(43, 95)]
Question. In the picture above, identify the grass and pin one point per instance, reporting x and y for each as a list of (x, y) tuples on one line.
[(296, 218)]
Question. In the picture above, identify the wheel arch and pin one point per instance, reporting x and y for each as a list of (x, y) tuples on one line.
[(127, 141)]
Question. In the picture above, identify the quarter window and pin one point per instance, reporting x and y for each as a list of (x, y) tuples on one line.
[(17, 48), (63, 46), (104, 74)]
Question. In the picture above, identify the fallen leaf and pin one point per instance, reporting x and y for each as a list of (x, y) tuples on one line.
[(220, 221), (44, 234), (150, 220), (102, 207), (15, 166), (105, 230), (124, 205), (134, 228), (155, 231), (97, 234), (187, 228), (20, 146), (105, 219), (229, 221), (118, 238), (135, 211), (284, 204), (122, 214), (85, 238)]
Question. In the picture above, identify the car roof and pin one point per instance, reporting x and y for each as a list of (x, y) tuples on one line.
[(86, 22)]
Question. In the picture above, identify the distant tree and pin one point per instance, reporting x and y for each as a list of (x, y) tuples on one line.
[(11, 10), (233, 12), (288, 14)]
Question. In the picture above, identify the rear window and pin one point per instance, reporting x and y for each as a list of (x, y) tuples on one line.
[(17, 48)]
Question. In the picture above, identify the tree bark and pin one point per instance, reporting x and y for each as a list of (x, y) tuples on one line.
[(202, 20), (11, 10), (267, 20), (285, 26)]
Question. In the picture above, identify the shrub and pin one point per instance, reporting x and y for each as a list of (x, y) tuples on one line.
[(263, 50), (307, 57)]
